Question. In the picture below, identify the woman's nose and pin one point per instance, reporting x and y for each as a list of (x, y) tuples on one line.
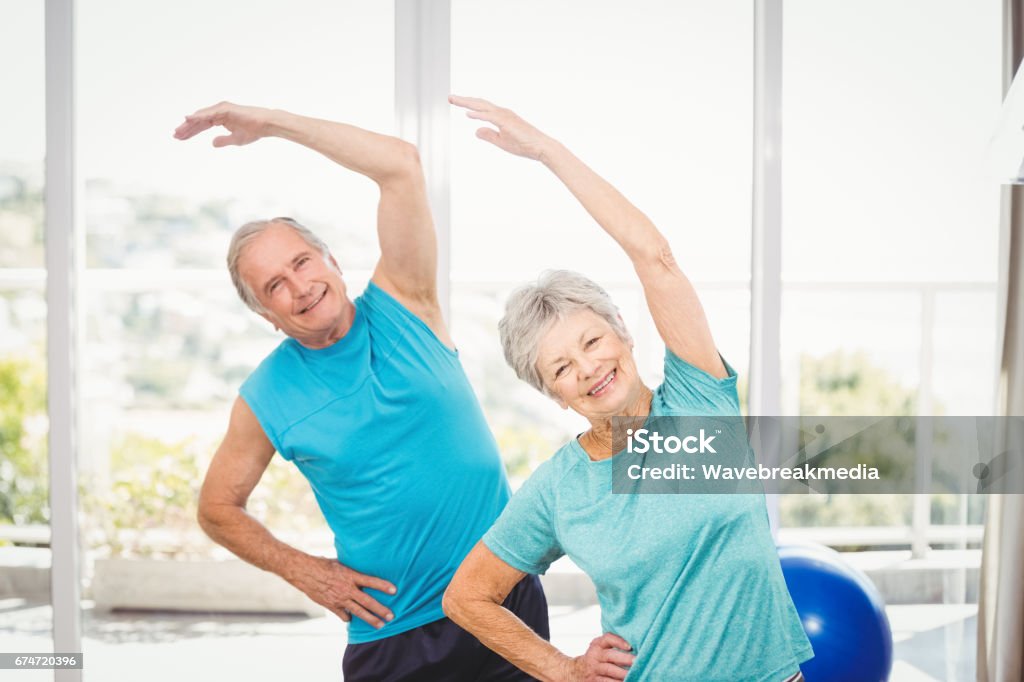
[(588, 368)]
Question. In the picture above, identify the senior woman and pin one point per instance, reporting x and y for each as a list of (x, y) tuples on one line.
[(689, 585)]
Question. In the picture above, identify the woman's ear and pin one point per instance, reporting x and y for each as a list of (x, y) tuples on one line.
[(557, 398), (625, 331)]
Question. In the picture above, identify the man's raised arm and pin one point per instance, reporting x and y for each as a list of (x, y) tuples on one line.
[(405, 229)]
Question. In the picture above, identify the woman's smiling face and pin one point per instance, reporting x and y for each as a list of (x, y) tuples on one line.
[(586, 366)]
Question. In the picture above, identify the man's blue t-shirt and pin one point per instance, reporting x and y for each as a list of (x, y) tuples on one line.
[(691, 581), (386, 428)]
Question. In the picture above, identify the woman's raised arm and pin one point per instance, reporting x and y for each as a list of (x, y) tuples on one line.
[(671, 298)]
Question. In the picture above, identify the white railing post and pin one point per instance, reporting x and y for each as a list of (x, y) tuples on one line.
[(921, 515)]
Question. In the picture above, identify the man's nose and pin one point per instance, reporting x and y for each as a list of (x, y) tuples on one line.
[(300, 288)]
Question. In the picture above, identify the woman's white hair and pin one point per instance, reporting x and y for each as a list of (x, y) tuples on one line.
[(248, 232), (531, 310)]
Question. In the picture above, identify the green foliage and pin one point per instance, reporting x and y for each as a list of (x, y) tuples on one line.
[(147, 506), (21, 220), (848, 384), (149, 497), (23, 461), (520, 446)]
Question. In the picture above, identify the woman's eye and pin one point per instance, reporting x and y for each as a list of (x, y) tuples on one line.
[(592, 341), (303, 260), (560, 371)]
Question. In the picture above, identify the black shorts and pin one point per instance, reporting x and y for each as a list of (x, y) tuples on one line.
[(441, 651)]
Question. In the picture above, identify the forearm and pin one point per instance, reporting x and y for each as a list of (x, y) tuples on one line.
[(501, 631), (616, 215), (381, 158), (239, 532)]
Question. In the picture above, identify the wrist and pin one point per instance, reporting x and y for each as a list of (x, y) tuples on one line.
[(276, 123), (563, 668), (549, 150), (297, 566)]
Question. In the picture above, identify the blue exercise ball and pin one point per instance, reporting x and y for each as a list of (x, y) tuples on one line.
[(842, 613)]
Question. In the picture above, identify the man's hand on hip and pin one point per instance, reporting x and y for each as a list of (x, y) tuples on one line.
[(341, 590)]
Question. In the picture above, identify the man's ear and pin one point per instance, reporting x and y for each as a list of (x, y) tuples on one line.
[(266, 317), (337, 267)]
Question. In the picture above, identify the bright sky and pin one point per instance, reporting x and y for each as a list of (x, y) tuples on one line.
[(887, 110)]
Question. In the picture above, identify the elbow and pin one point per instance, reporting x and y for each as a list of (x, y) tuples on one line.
[(204, 518), (209, 517), (458, 605), (655, 254), (451, 605), (409, 155), (404, 164)]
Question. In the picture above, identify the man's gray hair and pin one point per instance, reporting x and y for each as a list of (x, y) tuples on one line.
[(532, 309), (248, 232)]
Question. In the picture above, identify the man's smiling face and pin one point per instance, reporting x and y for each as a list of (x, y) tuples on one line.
[(300, 289)]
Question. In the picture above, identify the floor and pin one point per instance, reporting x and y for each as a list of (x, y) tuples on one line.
[(932, 642)]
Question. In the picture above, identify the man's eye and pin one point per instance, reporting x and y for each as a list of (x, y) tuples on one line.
[(592, 341), (273, 287), (303, 260)]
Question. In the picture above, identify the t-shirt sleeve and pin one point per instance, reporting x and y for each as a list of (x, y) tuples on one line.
[(524, 535), (692, 390)]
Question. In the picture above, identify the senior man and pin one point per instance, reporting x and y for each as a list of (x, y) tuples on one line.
[(369, 400)]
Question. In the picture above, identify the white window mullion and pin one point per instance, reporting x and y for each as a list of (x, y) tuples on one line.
[(764, 397), (61, 331), (422, 85)]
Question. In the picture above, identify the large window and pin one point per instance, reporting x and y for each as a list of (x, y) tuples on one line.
[(25, 618), (657, 98), (166, 341), (888, 240), (889, 227)]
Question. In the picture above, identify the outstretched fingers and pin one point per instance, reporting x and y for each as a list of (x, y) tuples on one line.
[(202, 119), (474, 103), (488, 135)]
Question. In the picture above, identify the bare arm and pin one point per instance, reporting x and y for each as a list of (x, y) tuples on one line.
[(671, 298), (408, 264), (474, 601), (234, 472)]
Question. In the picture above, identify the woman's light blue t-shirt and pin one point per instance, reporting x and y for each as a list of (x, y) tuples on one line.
[(691, 581)]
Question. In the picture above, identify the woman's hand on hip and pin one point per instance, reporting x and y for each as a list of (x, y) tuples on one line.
[(605, 660), (513, 134)]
